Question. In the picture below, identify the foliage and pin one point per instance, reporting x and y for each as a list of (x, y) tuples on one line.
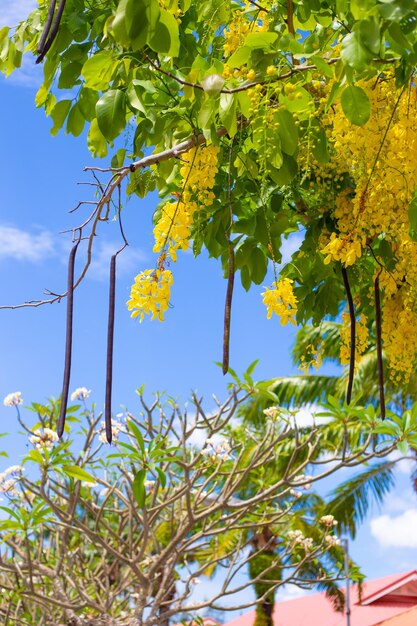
[(297, 115), (121, 534)]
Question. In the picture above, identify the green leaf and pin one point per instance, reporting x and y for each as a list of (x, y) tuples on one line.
[(59, 114), (137, 434), (258, 265), (111, 113), (36, 456), (288, 131), (70, 75), (141, 17), (402, 446), (354, 52), (98, 70), (76, 121), (260, 40), (370, 35), (118, 27), (227, 112), (412, 218), (96, 141), (356, 105), (74, 471), (164, 37), (240, 57), (162, 476), (138, 487)]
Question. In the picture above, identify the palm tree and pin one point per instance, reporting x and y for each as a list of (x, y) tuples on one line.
[(349, 502)]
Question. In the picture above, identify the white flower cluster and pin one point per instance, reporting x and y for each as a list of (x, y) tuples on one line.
[(328, 520), (45, 439), (116, 428), (297, 538), (218, 448), (9, 478), (332, 540), (13, 399), (81, 393), (149, 485), (302, 478), (272, 412)]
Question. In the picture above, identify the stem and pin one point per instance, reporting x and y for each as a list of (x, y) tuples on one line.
[(228, 310), (352, 335), (290, 25), (110, 346), (68, 341), (379, 347)]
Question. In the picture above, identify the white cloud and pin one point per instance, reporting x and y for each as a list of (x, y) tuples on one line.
[(28, 75), (403, 466), (290, 592), (129, 261), (12, 12), (22, 245), (307, 416), (396, 532)]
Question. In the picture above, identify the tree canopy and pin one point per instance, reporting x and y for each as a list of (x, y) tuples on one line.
[(253, 121)]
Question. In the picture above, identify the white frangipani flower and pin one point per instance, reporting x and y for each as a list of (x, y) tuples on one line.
[(81, 393), (13, 399)]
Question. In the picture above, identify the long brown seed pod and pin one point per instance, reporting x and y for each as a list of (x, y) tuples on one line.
[(51, 31), (352, 335), (68, 341), (228, 310), (379, 347), (110, 345), (47, 26)]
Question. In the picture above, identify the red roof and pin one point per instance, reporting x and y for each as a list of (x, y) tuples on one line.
[(382, 599), (408, 618)]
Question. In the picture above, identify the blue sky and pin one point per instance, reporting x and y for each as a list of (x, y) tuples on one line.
[(39, 187)]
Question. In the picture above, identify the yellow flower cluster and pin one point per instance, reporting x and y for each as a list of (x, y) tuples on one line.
[(345, 249), (280, 299), (380, 160), (399, 325), (241, 24), (150, 294), (173, 230), (312, 358), (361, 338)]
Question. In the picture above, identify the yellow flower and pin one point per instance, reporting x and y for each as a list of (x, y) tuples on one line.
[(150, 294), (280, 299)]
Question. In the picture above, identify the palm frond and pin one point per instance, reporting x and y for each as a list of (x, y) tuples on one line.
[(298, 391), (328, 332), (350, 501)]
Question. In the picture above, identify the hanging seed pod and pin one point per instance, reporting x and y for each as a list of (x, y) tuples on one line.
[(110, 345), (379, 347), (228, 310), (47, 26), (68, 341), (50, 30), (352, 335)]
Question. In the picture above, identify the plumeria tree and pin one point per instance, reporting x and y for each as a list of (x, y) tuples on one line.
[(92, 534), (253, 120)]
